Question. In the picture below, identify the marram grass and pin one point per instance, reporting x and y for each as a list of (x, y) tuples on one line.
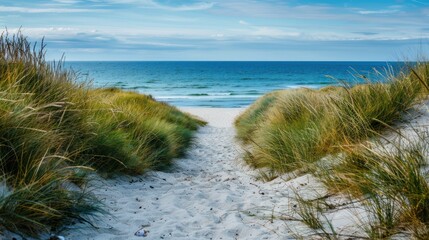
[(390, 181), (54, 129), (334, 134), (134, 132), (286, 130)]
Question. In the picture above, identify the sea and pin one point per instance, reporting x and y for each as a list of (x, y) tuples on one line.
[(226, 84)]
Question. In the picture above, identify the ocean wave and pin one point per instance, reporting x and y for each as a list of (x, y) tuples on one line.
[(199, 86), (152, 81), (118, 84), (135, 87), (253, 92), (207, 97), (211, 94), (255, 78), (198, 94)]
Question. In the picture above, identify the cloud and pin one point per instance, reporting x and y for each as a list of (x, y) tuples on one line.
[(254, 40), (75, 38), (43, 10), (194, 7), (57, 33), (273, 9), (271, 32), (385, 11), (153, 4), (173, 37), (366, 33), (420, 2), (67, 1), (218, 35), (243, 22), (282, 50)]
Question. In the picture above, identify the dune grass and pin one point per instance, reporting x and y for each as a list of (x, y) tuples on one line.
[(54, 128), (286, 130), (336, 134), (389, 179), (135, 132)]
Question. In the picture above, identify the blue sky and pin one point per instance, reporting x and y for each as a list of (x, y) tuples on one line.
[(223, 29)]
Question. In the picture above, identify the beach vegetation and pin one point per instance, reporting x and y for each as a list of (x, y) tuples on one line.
[(348, 137), (55, 129), (389, 180), (288, 129)]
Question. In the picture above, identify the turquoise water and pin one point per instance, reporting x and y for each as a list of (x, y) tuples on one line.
[(222, 84)]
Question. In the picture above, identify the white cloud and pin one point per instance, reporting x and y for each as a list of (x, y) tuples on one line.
[(366, 12), (243, 22), (194, 7), (218, 36), (43, 10), (420, 2), (273, 9), (169, 36), (271, 32), (48, 32), (154, 4), (67, 1)]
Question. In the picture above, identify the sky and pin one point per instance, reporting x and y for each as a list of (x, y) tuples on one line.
[(223, 30)]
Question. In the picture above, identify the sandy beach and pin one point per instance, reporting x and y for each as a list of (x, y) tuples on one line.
[(209, 194)]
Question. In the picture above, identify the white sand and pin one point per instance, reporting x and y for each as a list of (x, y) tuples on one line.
[(210, 194)]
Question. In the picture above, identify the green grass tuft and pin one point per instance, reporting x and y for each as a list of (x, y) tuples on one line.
[(287, 130), (334, 134)]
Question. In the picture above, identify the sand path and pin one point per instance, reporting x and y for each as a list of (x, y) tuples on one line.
[(209, 194)]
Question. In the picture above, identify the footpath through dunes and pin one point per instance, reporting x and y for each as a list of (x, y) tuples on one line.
[(209, 194)]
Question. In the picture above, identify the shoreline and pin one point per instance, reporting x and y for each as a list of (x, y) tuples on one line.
[(216, 117)]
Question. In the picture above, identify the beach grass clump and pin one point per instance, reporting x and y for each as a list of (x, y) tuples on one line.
[(290, 129), (54, 129), (337, 134), (249, 120), (294, 124), (134, 132), (34, 170), (390, 179)]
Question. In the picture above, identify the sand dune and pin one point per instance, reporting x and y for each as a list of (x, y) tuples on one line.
[(210, 194)]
